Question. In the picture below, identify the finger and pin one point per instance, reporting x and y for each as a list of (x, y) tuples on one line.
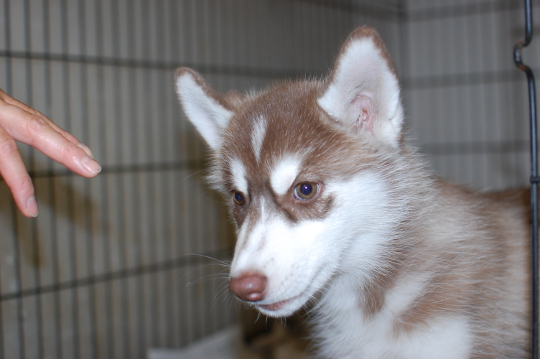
[(14, 173), (10, 100), (14, 102), (37, 132)]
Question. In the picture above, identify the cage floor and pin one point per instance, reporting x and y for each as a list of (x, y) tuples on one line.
[(226, 344), (221, 345)]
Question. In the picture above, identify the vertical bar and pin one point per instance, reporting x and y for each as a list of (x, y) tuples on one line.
[(150, 280), (83, 80), (17, 283), (7, 89), (161, 183), (199, 319), (190, 308), (176, 45), (54, 238), (482, 159), (31, 164), (70, 198), (200, 291), (16, 253), (109, 337), (153, 42), (39, 298), (217, 31), (171, 10), (140, 302), (534, 169), (118, 114)]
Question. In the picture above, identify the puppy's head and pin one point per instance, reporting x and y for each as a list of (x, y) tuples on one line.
[(301, 167)]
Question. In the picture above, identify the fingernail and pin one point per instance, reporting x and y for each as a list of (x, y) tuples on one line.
[(31, 207), (86, 149), (90, 165)]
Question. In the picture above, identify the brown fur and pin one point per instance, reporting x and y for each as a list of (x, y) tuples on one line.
[(296, 104)]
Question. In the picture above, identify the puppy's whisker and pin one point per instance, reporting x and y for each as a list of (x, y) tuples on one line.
[(222, 262), (221, 294), (207, 278)]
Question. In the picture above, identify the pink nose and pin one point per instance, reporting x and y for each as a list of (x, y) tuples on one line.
[(248, 286)]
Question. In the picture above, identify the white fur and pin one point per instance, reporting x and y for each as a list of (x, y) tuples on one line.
[(259, 131), (363, 73), (209, 117), (406, 291), (263, 251), (298, 259), (284, 173), (239, 176), (349, 335)]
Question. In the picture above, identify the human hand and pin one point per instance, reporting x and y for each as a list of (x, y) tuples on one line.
[(22, 123)]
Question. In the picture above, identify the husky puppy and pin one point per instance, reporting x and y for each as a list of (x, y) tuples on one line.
[(334, 210)]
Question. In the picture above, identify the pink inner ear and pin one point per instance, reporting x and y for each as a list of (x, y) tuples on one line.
[(364, 108)]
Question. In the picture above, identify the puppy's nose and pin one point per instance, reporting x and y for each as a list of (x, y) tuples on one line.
[(248, 286)]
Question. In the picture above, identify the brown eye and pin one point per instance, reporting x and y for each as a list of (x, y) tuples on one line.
[(238, 198), (304, 191)]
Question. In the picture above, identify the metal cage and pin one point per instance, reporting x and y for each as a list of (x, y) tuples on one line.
[(136, 258)]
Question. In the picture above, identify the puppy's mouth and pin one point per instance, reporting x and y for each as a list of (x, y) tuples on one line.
[(282, 308), (275, 306)]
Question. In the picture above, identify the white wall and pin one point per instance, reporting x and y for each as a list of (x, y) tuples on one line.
[(465, 100)]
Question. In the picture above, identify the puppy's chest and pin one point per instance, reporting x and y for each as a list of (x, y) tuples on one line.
[(347, 331)]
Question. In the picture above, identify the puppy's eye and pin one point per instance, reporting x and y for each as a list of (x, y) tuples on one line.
[(306, 190), (238, 198)]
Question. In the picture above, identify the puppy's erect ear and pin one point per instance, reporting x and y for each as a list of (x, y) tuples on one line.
[(204, 107), (363, 91)]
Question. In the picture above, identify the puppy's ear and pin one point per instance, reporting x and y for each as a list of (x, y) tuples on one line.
[(363, 92), (204, 107)]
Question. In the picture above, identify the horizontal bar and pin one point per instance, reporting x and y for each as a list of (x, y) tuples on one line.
[(455, 148), (460, 79), (234, 70), (129, 168), (380, 11), (466, 9), (122, 274), (408, 82)]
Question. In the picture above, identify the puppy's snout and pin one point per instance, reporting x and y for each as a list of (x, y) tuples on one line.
[(249, 287)]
